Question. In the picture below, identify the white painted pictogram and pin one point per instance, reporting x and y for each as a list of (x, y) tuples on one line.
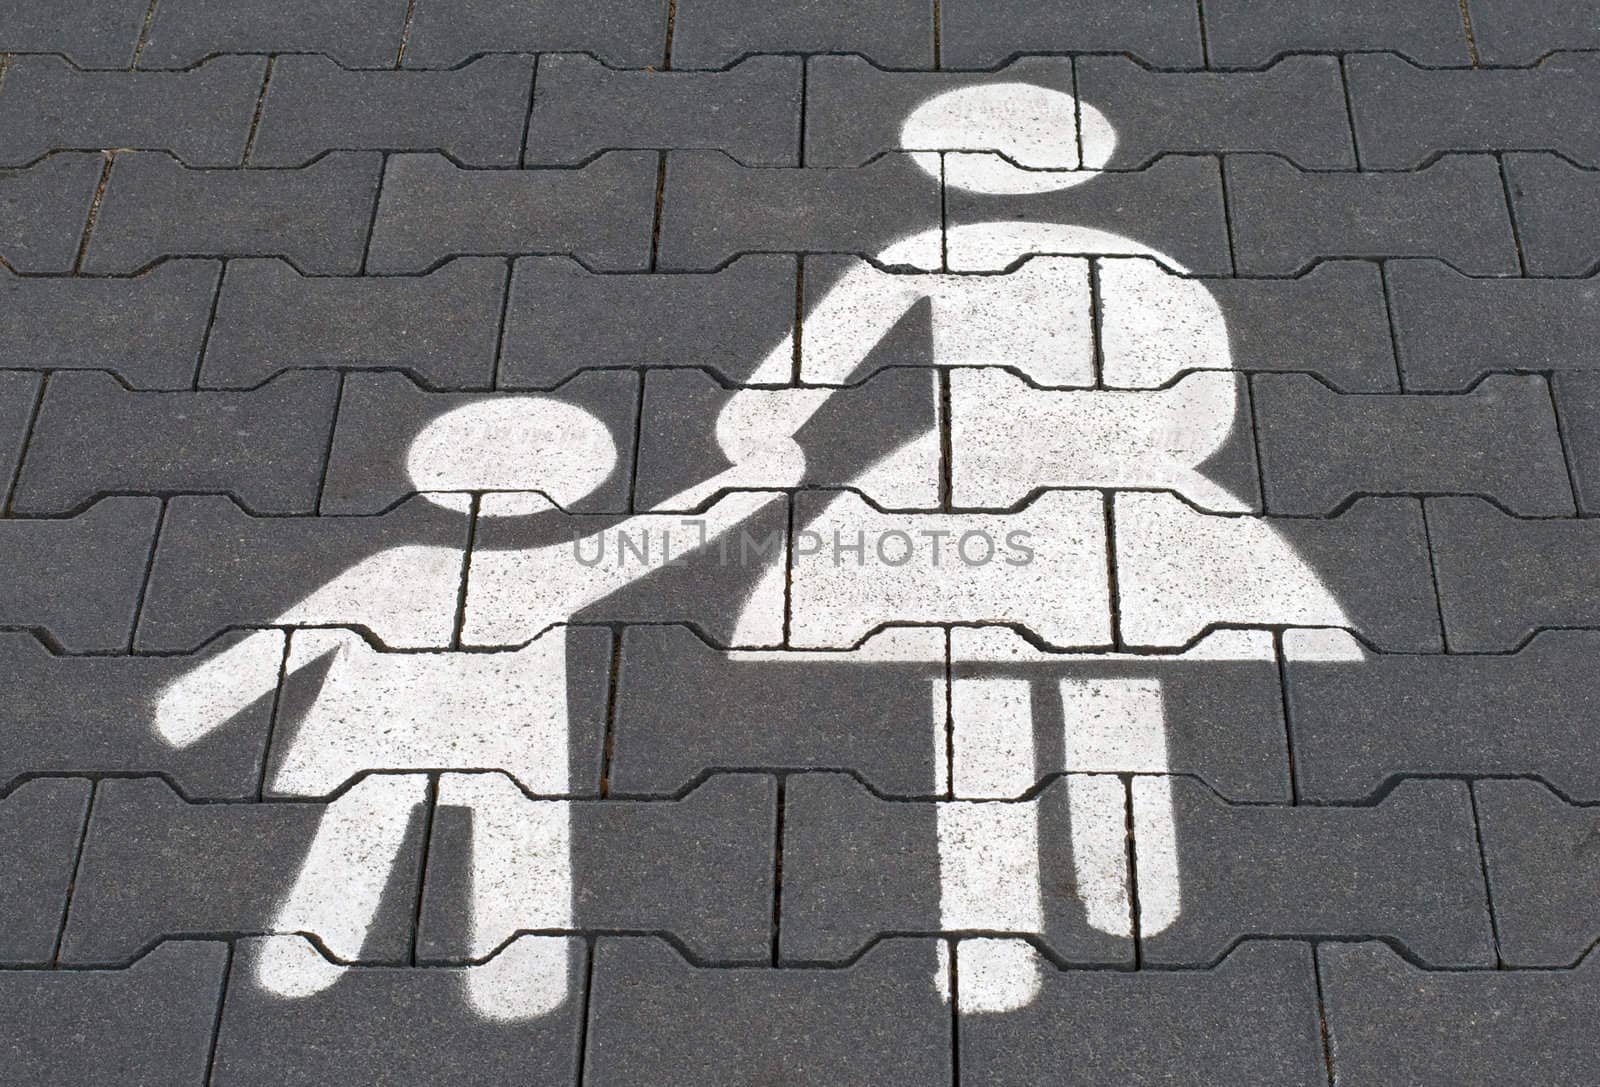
[(1038, 445)]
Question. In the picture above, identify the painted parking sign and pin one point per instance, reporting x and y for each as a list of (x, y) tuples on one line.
[(1043, 551)]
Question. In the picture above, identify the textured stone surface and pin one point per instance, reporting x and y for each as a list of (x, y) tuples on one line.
[(381, 415), (982, 33), (148, 330), (698, 869), (841, 1026), (1320, 448), (1244, 34), (1543, 871), (202, 116), (1502, 578), (1251, 1019), (154, 866), (1330, 322), (856, 111), (350, 1033), (41, 825), (77, 580), (496, 503), (217, 567), (856, 866), (1389, 1020), (714, 33), (1407, 870), (1555, 204), (622, 33), (19, 398), (266, 447), (1510, 32), (581, 107), (316, 218), (684, 708), (66, 714), (878, 437), (1405, 115), (1577, 399), (94, 33), (150, 1023), (44, 209), (1452, 329), (1366, 569), (1295, 108), (562, 318), (432, 209), (1175, 206), (716, 209), (474, 114), (440, 328), (1285, 219), (1364, 720), (358, 33)]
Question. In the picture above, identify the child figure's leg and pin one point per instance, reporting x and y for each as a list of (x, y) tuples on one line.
[(521, 881), (336, 895)]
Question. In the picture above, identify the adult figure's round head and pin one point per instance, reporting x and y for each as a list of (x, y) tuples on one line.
[(1059, 140)]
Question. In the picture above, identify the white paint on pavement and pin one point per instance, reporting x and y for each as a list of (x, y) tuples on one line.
[(1023, 121), (527, 979), (514, 443), (1098, 809), (1044, 567), (1008, 439), (1180, 571), (974, 321), (336, 894), (219, 688), (989, 867), (412, 711), (521, 858), (513, 594), (996, 974), (1155, 325), (1155, 839), (993, 737)]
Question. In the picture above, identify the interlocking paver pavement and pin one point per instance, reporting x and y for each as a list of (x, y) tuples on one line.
[(316, 218), (581, 108), (1482, 714), (1296, 109), (1451, 330), (432, 209), (441, 328), (264, 447), (148, 330), (1554, 203), (202, 115), (474, 114), (1320, 448), (1405, 115), (1387, 1019), (1249, 33), (1286, 219), (1541, 862), (937, 542), (41, 823), (562, 318), (43, 208), (1578, 407)]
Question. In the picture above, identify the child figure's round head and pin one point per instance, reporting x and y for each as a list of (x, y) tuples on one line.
[(516, 443)]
